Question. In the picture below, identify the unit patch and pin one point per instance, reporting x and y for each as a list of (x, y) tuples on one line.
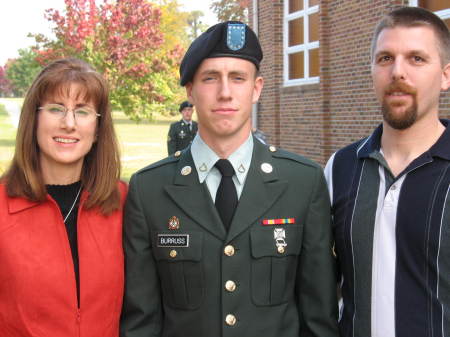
[(173, 240), (235, 36)]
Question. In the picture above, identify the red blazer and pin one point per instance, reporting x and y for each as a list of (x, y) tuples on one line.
[(38, 295)]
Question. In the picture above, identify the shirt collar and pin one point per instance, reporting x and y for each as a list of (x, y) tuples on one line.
[(185, 122), (439, 149), (205, 158)]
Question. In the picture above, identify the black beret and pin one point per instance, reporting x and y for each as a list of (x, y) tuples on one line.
[(185, 104), (226, 39)]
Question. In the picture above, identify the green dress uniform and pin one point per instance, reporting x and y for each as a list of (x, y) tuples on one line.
[(180, 135), (271, 274)]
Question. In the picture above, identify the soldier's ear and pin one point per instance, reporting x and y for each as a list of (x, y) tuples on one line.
[(188, 88)]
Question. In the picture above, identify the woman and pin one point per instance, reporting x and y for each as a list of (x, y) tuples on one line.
[(61, 258)]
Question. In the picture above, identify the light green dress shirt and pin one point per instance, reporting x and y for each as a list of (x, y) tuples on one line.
[(205, 158)]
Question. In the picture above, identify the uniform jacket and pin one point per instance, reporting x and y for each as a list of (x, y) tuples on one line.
[(177, 265), (180, 136), (38, 296)]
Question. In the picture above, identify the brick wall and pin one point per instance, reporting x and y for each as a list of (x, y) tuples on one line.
[(316, 120)]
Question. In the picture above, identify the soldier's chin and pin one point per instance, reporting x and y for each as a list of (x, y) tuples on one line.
[(399, 120)]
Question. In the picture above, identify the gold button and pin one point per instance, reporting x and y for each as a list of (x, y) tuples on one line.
[(230, 286), (229, 250), (177, 154), (272, 148), (230, 319), (173, 253), (281, 250)]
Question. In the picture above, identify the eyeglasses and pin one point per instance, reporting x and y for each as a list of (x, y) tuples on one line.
[(81, 115)]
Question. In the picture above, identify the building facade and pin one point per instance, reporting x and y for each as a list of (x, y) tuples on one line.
[(318, 94)]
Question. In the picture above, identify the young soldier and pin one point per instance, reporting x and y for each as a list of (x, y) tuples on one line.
[(230, 237)]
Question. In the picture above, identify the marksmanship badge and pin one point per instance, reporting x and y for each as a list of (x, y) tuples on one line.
[(279, 234)]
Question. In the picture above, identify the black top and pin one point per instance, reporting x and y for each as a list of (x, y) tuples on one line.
[(65, 195)]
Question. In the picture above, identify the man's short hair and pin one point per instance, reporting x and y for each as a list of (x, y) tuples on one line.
[(416, 17)]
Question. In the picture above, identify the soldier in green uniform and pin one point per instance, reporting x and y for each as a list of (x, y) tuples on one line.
[(229, 237), (182, 133)]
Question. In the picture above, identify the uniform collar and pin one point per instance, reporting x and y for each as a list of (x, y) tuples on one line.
[(205, 158), (440, 149), (185, 122)]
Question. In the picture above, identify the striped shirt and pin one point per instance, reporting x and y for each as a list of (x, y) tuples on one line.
[(392, 237)]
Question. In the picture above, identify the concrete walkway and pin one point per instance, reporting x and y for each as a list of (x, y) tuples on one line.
[(13, 108)]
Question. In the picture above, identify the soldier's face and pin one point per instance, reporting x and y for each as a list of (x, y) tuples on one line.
[(223, 90), (187, 114), (408, 75)]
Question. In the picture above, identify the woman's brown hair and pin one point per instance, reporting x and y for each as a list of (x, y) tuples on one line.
[(101, 166)]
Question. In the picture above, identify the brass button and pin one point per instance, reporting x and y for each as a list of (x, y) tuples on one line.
[(229, 250), (173, 253), (272, 148), (177, 154), (230, 319), (230, 286), (281, 250)]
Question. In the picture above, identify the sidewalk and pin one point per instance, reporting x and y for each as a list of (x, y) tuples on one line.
[(13, 108)]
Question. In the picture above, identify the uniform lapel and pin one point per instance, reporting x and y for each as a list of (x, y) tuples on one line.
[(194, 198), (261, 191)]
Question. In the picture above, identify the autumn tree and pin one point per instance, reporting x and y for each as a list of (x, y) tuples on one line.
[(21, 71), (124, 41), (5, 86), (236, 10)]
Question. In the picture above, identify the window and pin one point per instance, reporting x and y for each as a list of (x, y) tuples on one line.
[(301, 42), (440, 7)]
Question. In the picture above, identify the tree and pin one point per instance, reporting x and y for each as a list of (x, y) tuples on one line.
[(195, 24), (124, 41), (236, 10), (21, 71), (5, 85)]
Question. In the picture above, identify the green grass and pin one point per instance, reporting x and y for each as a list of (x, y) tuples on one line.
[(7, 139), (140, 144)]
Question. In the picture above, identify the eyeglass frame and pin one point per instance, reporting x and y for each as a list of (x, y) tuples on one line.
[(66, 111)]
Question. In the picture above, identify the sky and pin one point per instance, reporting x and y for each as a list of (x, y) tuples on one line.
[(20, 17)]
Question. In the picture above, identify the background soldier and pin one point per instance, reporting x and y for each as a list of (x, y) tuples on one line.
[(182, 133), (230, 237)]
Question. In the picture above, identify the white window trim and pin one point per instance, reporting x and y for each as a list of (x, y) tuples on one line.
[(303, 47), (443, 14)]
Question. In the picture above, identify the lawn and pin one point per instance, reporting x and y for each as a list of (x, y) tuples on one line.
[(7, 139), (141, 144)]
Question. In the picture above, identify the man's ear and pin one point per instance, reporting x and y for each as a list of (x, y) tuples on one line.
[(445, 77), (259, 84)]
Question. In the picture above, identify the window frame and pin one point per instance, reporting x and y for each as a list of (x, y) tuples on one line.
[(305, 47)]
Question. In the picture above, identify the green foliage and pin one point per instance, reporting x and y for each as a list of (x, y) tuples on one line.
[(236, 10), (21, 71)]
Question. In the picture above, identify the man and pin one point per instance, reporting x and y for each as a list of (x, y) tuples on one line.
[(245, 252), (390, 191), (182, 133)]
